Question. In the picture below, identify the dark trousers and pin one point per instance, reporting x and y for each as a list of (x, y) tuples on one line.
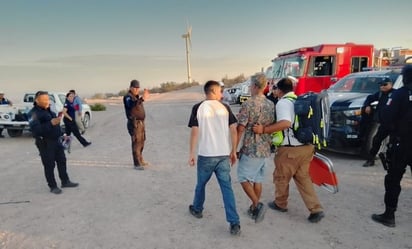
[(380, 135), (400, 159), (137, 133), (72, 127), (52, 153)]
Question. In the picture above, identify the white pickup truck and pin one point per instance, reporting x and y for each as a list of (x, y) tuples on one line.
[(15, 119)]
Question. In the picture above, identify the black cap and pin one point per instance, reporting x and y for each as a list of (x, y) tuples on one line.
[(407, 74), (135, 84)]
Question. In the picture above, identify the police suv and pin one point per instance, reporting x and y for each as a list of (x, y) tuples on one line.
[(347, 133)]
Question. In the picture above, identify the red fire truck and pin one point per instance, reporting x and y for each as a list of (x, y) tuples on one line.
[(317, 67)]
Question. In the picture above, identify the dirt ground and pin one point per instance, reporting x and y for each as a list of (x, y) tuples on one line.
[(118, 207)]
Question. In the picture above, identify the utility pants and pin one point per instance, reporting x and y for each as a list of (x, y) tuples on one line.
[(52, 153), (294, 162), (138, 136)]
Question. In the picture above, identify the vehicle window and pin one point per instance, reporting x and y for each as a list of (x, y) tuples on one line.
[(358, 84), (51, 97), (291, 66), (62, 98), (358, 64), (322, 65)]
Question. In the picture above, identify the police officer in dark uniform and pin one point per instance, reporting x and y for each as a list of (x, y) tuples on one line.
[(45, 127), (397, 116), (382, 96), (135, 114)]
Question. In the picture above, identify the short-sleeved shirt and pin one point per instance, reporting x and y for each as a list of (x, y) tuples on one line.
[(256, 110), (213, 119), (71, 111), (285, 111)]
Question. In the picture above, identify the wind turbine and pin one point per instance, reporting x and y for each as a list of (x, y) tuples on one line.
[(188, 40)]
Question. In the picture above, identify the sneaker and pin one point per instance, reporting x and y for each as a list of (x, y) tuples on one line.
[(55, 190), (381, 218), (316, 217), (251, 212), (273, 206), (70, 184), (197, 214), (369, 163), (87, 144), (259, 212), (138, 167), (235, 229)]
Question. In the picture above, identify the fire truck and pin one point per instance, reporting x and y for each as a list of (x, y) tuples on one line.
[(316, 68)]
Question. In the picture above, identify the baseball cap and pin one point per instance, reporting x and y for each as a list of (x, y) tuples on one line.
[(135, 84)]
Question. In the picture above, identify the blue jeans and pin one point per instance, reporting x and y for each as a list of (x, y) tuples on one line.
[(220, 165)]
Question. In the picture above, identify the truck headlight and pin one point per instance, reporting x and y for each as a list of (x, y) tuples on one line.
[(353, 112)]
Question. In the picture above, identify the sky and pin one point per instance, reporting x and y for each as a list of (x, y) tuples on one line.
[(99, 46)]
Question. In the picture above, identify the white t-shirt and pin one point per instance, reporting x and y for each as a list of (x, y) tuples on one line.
[(213, 119), (285, 111)]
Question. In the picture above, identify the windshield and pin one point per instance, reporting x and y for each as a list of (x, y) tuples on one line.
[(291, 66), (368, 84)]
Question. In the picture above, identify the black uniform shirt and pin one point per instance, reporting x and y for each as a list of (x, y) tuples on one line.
[(397, 113), (40, 123)]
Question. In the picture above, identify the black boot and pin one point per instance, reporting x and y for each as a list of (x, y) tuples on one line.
[(370, 162), (387, 218)]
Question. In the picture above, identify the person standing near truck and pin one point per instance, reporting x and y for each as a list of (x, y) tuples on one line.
[(45, 127), (255, 148), (397, 114), (77, 103), (69, 117), (382, 96), (3, 101)]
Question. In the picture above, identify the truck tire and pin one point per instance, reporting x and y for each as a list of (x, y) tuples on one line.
[(86, 120), (14, 132), (366, 147)]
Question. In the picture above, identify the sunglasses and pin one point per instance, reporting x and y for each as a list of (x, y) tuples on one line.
[(384, 84)]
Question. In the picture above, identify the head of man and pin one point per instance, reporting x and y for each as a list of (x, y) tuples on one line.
[(134, 87), (213, 90), (407, 75), (284, 86), (258, 84), (385, 85), (42, 99), (1, 95)]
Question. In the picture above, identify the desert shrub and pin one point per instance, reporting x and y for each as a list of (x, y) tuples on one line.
[(98, 107)]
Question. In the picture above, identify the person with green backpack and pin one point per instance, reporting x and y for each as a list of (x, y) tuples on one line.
[(292, 158)]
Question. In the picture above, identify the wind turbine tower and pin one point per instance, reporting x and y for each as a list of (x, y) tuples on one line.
[(188, 39)]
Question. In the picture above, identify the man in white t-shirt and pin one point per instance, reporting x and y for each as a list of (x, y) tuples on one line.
[(213, 129), (292, 158)]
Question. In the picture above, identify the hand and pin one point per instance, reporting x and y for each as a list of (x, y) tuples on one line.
[(368, 110), (55, 121), (258, 128), (191, 161), (146, 94), (233, 158)]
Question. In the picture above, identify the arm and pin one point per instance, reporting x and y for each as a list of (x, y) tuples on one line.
[(368, 101), (233, 135), (66, 115), (240, 131), (278, 126), (193, 143)]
